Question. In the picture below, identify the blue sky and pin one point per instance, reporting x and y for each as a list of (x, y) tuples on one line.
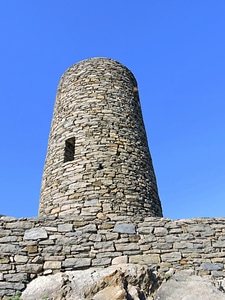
[(176, 50)]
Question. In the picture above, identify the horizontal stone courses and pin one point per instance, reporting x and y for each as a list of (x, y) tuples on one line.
[(48, 245), (102, 112)]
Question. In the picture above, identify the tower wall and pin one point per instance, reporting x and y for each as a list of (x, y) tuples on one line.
[(98, 161)]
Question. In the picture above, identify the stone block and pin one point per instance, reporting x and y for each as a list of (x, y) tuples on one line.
[(124, 228), (20, 259), (32, 249), (162, 246), (8, 239), (145, 230), (104, 261), (16, 277), (120, 260), (108, 254), (183, 245), (55, 210), (127, 247), (4, 260), (5, 267), (11, 285), (65, 227), (160, 231), (35, 234), (52, 229), (212, 266), (91, 202), (76, 263), (218, 260), (9, 249), (106, 226), (171, 257), (30, 268), (52, 265), (86, 211), (88, 228), (145, 259), (112, 236), (104, 246), (95, 237)]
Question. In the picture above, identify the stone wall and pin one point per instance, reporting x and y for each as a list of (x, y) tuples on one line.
[(98, 152), (37, 246)]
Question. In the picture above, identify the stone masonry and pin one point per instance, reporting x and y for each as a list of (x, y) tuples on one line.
[(47, 245), (98, 157)]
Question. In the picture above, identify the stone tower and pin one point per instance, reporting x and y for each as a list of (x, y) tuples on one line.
[(98, 161)]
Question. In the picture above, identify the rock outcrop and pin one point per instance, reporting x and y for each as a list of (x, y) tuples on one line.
[(126, 281), (184, 285), (122, 282)]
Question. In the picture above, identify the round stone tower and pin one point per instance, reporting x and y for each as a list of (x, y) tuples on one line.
[(98, 161)]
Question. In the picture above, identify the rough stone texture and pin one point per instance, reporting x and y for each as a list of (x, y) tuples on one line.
[(124, 282), (124, 228), (76, 243), (98, 161), (114, 283), (35, 234), (184, 285)]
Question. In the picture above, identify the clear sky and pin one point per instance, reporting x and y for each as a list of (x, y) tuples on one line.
[(176, 50)]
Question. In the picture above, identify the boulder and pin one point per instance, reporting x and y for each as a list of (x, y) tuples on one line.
[(125, 281)]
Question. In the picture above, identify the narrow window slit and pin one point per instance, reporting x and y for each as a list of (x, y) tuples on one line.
[(69, 150)]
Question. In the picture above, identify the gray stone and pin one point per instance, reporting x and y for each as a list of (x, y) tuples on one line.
[(188, 287), (104, 246), (145, 229), (88, 228), (108, 254), (124, 228), (11, 285), (91, 202), (9, 249), (163, 246), (127, 247), (35, 234), (212, 266), (219, 244), (160, 231), (18, 277), (8, 239), (183, 245), (5, 267), (170, 257), (65, 227), (30, 268), (76, 263), (104, 261)]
